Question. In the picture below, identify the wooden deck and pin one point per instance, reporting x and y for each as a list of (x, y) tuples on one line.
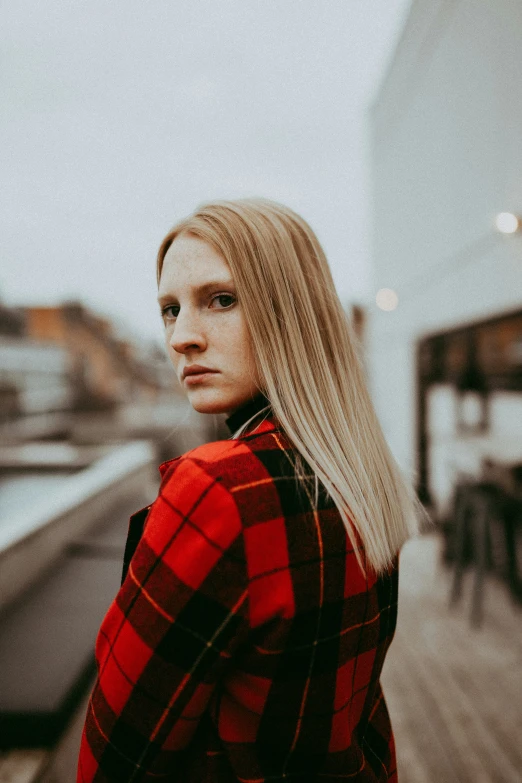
[(454, 692)]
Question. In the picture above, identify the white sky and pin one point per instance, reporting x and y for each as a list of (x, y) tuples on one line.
[(117, 118)]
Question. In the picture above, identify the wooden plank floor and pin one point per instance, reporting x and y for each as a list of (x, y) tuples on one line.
[(454, 692)]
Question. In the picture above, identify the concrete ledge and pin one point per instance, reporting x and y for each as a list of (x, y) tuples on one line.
[(40, 425), (47, 646), (49, 456), (33, 539), (47, 635)]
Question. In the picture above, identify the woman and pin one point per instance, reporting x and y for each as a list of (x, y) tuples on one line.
[(259, 595)]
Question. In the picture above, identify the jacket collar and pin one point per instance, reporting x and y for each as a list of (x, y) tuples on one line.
[(247, 411), (263, 423)]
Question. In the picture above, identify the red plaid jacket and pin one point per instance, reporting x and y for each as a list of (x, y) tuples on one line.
[(244, 643)]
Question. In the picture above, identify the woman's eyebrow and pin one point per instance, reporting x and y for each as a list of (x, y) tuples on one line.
[(199, 289)]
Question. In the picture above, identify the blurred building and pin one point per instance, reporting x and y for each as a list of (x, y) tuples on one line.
[(34, 378), (64, 357), (105, 370), (445, 346)]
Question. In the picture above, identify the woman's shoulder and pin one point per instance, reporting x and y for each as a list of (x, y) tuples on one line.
[(242, 472), (221, 489), (230, 459)]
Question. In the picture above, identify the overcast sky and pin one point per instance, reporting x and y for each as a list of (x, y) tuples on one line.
[(118, 118)]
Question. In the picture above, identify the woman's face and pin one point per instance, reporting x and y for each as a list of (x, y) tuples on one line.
[(205, 325)]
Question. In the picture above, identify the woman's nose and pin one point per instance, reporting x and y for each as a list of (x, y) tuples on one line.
[(187, 332)]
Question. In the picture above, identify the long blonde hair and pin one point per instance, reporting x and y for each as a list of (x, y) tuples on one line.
[(310, 365)]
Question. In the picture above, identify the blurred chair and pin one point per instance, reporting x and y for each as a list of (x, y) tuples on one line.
[(495, 498)]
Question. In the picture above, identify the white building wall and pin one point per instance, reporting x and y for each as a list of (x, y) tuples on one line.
[(447, 157), (40, 371)]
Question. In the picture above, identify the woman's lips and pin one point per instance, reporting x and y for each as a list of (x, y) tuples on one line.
[(198, 377)]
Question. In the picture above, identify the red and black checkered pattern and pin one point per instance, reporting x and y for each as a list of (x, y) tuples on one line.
[(244, 643)]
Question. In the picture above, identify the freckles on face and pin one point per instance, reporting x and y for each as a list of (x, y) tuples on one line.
[(205, 325)]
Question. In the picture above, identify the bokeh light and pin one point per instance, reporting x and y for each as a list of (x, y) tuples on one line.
[(386, 299), (507, 223)]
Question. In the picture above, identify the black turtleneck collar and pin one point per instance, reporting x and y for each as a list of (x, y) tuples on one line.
[(246, 411)]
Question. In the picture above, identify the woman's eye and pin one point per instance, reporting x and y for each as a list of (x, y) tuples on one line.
[(170, 312), (225, 300)]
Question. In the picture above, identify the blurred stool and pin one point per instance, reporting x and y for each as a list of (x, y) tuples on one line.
[(477, 506)]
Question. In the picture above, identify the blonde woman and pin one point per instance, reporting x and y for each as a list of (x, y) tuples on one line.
[(259, 593)]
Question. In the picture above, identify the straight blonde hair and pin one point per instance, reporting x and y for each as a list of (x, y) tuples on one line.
[(310, 366)]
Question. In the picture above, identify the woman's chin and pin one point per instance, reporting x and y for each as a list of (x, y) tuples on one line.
[(208, 401)]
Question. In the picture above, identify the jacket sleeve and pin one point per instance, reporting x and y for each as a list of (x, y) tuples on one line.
[(169, 634)]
